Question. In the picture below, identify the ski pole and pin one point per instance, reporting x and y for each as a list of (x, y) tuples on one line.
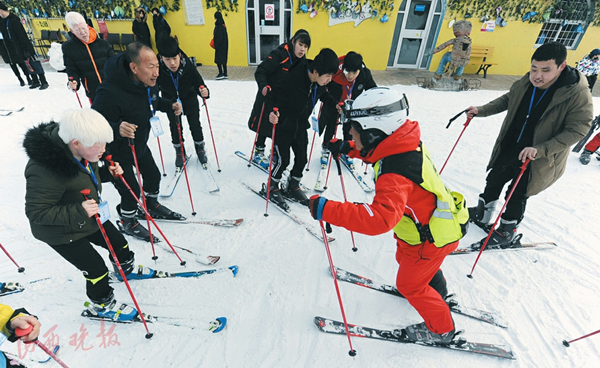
[(352, 352), (454, 118), (86, 193), (19, 268), (568, 343), (139, 175), (466, 124), (523, 167), (76, 94), (19, 332), (328, 171), (109, 159), (185, 164), (211, 132), (262, 109), (312, 145), (339, 168), (276, 111), (162, 162)]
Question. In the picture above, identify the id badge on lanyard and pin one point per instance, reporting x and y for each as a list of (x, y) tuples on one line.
[(104, 211), (156, 126)]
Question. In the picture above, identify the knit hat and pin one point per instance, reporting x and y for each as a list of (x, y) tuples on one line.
[(595, 52)]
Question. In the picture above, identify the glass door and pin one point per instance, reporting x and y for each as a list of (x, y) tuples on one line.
[(269, 25)]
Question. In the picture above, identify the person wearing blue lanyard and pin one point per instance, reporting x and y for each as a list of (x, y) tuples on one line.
[(548, 110), (179, 80), (63, 161), (295, 97)]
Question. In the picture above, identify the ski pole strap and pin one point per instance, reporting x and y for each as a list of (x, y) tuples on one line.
[(454, 118)]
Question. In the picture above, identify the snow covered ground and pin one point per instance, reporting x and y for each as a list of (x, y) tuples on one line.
[(283, 280)]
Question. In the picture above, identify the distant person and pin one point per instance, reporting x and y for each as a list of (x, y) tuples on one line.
[(13, 31), (161, 27), (461, 50), (84, 55), (140, 28), (221, 45), (11, 59), (590, 67)]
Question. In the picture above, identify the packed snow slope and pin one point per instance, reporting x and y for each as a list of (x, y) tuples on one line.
[(283, 281)]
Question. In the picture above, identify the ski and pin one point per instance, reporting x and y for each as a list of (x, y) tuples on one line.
[(145, 273), (5, 113), (321, 178), (475, 247), (284, 176), (583, 141), (306, 226), (460, 344), (7, 288), (359, 178), (214, 187), (170, 188), (218, 222), (41, 361), (483, 316), (14, 110)]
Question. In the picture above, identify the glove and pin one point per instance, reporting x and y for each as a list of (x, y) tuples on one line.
[(316, 204), (337, 147)]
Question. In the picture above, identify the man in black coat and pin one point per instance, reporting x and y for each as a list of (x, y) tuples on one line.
[(82, 68), (296, 96), (127, 98), (179, 80), (140, 27), (221, 45), (161, 27), (7, 51), (13, 31)]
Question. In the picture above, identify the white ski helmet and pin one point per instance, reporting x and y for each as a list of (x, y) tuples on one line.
[(376, 111)]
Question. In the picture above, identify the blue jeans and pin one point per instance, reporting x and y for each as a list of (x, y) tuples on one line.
[(442, 66)]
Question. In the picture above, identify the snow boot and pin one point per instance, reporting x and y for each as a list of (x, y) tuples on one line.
[(259, 158), (420, 333), (457, 77), (295, 192), (158, 211), (504, 235), (178, 157), (585, 157), (325, 153), (482, 214), (113, 310), (131, 226), (201, 152)]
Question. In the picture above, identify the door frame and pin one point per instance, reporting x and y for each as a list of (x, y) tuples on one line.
[(257, 26)]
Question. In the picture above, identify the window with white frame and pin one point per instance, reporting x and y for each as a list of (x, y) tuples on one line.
[(565, 22)]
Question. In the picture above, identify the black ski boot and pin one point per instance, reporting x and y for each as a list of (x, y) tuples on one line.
[(158, 211), (201, 152), (482, 214), (178, 157), (131, 226), (295, 192), (420, 333), (504, 235), (275, 194), (585, 157)]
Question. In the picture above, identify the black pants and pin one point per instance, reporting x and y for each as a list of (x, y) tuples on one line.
[(82, 255), (23, 68), (592, 80), (148, 170), (499, 175), (191, 109), (299, 144), (222, 68)]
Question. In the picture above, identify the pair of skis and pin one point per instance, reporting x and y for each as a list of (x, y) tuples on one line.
[(322, 177), (7, 112), (172, 184)]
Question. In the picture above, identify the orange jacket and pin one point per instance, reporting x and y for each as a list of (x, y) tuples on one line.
[(394, 194)]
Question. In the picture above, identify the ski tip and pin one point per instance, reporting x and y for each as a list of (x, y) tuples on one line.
[(234, 270), (218, 324), (238, 222)]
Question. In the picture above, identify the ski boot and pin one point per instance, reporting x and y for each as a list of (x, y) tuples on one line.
[(325, 153), (421, 334), (179, 159), (504, 236), (275, 195), (294, 191), (113, 310), (158, 211), (10, 287), (347, 161), (131, 226), (482, 214), (201, 152), (259, 158), (141, 274), (585, 157)]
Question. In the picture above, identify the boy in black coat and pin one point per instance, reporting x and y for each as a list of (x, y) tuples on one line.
[(295, 97), (179, 80)]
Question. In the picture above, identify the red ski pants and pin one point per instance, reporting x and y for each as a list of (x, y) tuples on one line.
[(593, 145), (417, 266)]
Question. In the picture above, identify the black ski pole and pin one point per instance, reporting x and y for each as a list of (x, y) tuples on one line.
[(86, 193), (455, 117)]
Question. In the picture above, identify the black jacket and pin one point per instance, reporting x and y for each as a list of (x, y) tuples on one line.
[(190, 80), (161, 27), (221, 44), (79, 64), (13, 30), (120, 99), (141, 32)]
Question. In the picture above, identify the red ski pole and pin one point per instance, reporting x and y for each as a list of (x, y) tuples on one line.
[(568, 343), (466, 124), (262, 109), (76, 94), (339, 167), (162, 162), (211, 132), (276, 111), (185, 164), (19, 268), (109, 159), (352, 352), (86, 193), (523, 167), (19, 332), (139, 175)]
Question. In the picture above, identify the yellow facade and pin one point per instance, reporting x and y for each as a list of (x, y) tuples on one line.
[(371, 38)]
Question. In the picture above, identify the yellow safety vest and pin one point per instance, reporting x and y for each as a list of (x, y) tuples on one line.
[(450, 219)]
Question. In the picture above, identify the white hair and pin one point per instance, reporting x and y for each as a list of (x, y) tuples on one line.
[(86, 126), (73, 18)]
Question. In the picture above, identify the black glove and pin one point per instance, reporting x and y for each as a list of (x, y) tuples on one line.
[(337, 147), (316, 204)]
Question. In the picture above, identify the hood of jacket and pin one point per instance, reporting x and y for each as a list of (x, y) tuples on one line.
[(117, 72), (405, 139), (43, 145)]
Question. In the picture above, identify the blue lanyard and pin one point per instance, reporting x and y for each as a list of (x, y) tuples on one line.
[(89, 169), (314, 97), (175, 82), (290, 56), (150, 102), (349, 91), (530, 108)]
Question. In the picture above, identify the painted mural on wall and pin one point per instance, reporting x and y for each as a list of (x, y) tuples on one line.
[(355, 11)]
